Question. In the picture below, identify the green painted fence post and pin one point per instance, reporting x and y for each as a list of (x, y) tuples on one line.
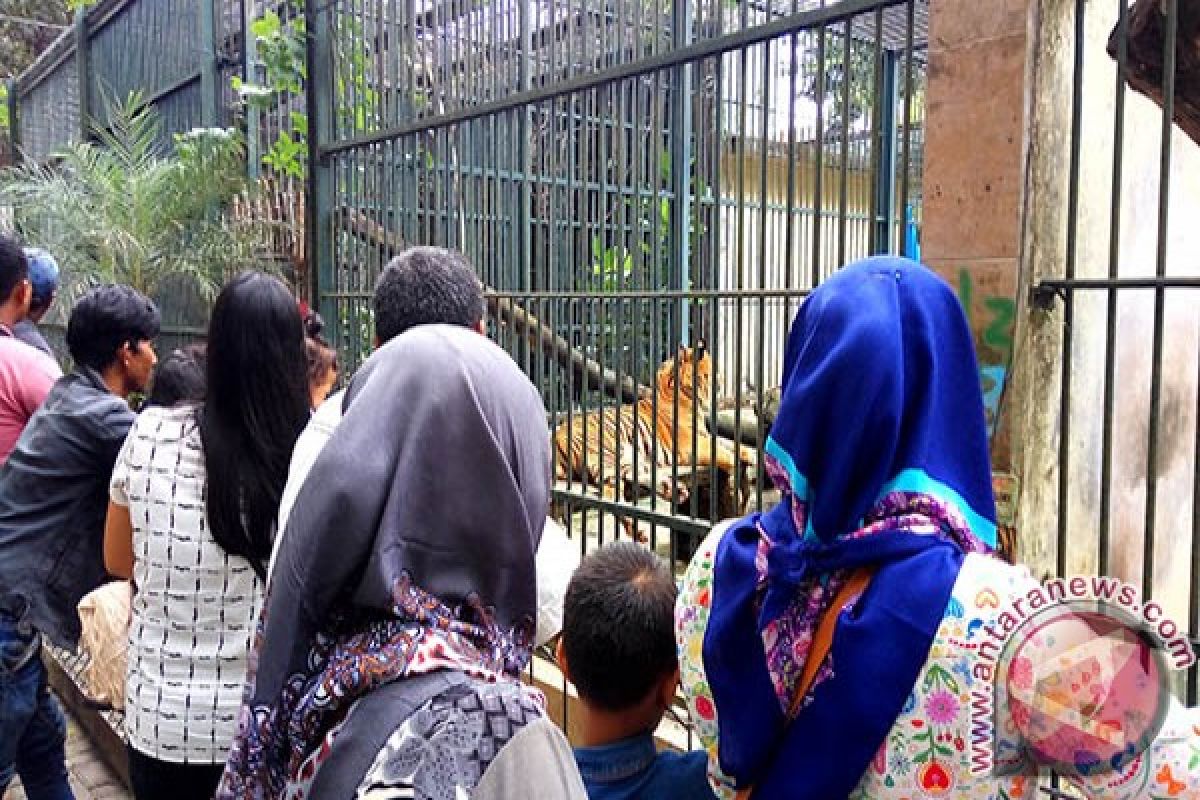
[(83, 67), (250, 75), (319, 231), (14, 130), (208, 66)]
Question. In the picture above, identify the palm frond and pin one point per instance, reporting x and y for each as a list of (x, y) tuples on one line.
[(120, 209)]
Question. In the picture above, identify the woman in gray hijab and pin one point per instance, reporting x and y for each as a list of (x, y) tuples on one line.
[(403, 602)]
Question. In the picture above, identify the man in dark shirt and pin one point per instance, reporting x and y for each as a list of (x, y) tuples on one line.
[(618, 648), (53, 498)]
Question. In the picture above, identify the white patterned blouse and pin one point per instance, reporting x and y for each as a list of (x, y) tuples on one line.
[(195, 607)]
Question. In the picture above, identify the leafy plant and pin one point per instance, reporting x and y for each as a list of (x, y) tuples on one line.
[(830, 74), (280, 44), (280, 47), (122, 209)]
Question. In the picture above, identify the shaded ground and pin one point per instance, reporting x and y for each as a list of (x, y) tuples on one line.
[(91, 779)]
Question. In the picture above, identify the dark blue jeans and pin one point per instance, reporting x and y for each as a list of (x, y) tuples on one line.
[(32, 727)]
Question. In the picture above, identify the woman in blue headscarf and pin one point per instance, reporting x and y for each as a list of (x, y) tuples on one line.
[(828, 646)]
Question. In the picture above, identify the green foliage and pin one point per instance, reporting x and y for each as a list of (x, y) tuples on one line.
[(642, 259), (281, 49), (21, 42), (357, 101), (613, 266), (4, 121), (120, 210), (826, 71), (287, 155), (280, 44)]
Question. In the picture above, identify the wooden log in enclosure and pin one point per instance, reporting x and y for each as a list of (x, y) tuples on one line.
[(1147, 24)]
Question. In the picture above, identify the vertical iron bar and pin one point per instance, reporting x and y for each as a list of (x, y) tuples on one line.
[(524, 133), (1114, 255), (878, 99), (250, 76), (819, 166), (885, 180), (14, 122), (1160, 271), (1193, 680), (681, 154), (1064, 442), (844, 182), (760, 351), (789, 244), (208, 64), (906, 158)]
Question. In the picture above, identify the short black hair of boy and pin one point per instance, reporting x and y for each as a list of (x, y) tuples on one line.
[(107, 318), (426, 286), (618, 625), (14, 266)]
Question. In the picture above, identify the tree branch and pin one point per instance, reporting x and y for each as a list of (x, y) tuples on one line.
[(508, 311), (1144, 64)]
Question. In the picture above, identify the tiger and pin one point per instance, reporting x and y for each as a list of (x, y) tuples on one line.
[(586, 447)]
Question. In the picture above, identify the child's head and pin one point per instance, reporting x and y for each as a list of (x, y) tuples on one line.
[(179, 378), (618, 640)]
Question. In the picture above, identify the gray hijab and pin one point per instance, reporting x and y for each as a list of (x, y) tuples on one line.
[(421, 517)]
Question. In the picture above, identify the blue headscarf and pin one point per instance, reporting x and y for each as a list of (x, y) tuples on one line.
[(880, 453)]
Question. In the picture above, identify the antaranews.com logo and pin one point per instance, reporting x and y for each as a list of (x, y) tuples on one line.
[(1073, 676)]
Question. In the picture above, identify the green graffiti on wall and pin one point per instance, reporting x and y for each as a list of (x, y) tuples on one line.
[(993, 339)]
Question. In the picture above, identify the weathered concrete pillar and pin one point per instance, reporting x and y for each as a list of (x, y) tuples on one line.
[(1037, 365)]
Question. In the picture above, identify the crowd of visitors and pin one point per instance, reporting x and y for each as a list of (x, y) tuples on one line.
[(335, 595)]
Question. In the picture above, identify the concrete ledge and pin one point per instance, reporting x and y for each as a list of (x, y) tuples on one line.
[(103, 727)]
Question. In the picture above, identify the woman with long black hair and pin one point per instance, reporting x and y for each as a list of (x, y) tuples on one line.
[(194, 497)]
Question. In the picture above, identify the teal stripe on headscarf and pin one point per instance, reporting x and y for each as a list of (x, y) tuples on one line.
[(920, 481)]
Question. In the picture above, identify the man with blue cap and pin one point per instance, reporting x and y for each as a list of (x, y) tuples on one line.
[(43, 275)]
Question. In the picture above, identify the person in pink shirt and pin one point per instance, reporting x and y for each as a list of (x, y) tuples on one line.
[(26, 373)]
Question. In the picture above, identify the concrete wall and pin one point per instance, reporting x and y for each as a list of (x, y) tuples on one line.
[(972, 178)]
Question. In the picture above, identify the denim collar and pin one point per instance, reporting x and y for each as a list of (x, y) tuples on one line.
[(617, 761), (92, 378)]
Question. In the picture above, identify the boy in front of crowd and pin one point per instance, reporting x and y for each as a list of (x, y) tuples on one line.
[(618, 648)]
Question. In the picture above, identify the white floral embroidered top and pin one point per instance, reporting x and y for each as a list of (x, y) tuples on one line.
[(928, 752)]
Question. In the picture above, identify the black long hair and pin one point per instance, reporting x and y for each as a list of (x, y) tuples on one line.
[(256, 405)]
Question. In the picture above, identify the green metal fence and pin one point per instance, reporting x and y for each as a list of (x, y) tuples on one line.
[(628, 177), (180, 56), (164, 49)]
